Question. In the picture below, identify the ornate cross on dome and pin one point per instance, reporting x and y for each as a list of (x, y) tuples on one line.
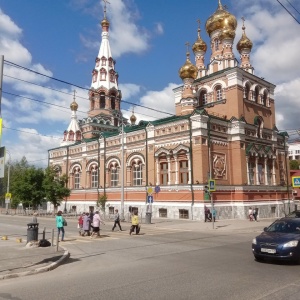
[(187, 50), (243, 23), (74, 95), (198, 21), (105, 1)]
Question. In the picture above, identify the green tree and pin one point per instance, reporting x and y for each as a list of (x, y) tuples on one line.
[(55, 187), (294, 165), (102, 199), (28, 188)]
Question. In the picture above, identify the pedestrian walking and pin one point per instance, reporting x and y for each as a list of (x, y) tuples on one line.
[(250, 214), (206, 213), (86, 224), (134, 223), (116, 220), (96, 224), (214, 214), (60, 222), (34, 217), (255, 214), (80, 224), (91, 216)]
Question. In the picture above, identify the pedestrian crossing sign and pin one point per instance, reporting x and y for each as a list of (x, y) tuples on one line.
[(296, 181)]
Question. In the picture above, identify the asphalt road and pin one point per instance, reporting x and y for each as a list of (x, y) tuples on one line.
[(161, 263)]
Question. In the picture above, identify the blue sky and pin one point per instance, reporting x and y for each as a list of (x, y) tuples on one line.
[(61, 39)]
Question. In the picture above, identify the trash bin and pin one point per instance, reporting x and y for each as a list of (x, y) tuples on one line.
[(32, 232), (148, 218)]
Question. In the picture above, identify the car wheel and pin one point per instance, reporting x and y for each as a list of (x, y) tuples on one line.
[(258, 258)]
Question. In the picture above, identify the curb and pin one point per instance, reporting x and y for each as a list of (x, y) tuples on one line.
[(50, 267)]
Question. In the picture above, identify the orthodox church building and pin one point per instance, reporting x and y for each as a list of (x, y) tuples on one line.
[(222, 137)]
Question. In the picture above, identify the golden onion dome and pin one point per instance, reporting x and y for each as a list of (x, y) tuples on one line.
[(221, 19), (199, 45), (104, 23), (227, 33), (244, 42), (188, 70), (74, 106), (133, 119)]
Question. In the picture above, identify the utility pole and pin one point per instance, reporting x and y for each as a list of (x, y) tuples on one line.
[(122, 175)]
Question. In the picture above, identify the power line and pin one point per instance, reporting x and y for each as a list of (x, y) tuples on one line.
[(80, 87), (293, 6), (288, 12)]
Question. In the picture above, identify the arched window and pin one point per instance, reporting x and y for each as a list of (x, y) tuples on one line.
[(183, 171), (78, 135), (110, 62), (114, 169), (102, 74), (217, 43), (251, 167), (76, 172), (103, 61), (94, 176), (219, 95), (265, 98), (137, 173), (260, 124), (71, 135), (112, 76), (203, 98), (113, 101), (247, 92), (102, 100), (97, 62), (65, 134), (92, 101), (256, 94), (164, 173), (95, 74)]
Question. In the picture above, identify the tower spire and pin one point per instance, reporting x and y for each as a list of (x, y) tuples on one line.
[(104, 11)]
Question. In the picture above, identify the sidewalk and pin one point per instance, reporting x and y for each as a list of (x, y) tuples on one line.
[(16, 260)]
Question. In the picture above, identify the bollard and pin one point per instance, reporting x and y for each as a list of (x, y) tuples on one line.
[(19, 240), (4, 238), (57, 241), (52, 237), (44, 233)]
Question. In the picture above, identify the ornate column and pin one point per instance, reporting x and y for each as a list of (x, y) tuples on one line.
[(169, 169), (266, 171), (157, 171), (256, 171), (273, 171), (176, 168), (88, 179), (248, 173)]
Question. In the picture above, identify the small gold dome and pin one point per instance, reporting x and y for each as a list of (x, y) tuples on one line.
[(244, 42), (221, 19), (74, 106), (188, 70), (104, 23), (133, 119), (227, 33), (199, 45)]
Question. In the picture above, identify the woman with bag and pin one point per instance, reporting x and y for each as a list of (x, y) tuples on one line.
[(80, 223), (60, 223)]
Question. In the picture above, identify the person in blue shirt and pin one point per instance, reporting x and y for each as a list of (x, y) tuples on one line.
[(60, 225)]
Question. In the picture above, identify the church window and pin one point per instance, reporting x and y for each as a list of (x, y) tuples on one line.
[(103, 61), (261, 176), (95, 73), (114, 176), (97, 62), (76, 178), (94, 176), (113, 101), (71, 135), (251, 172), (219, 95), (164, 176), (112, 76), (265, 98), (102, 100), (217, 44), (203, 98), (102, 74), (269, 174), (184, 173), (78, 135), (137, 173), (110, 62), (256, 95), (247, 92)]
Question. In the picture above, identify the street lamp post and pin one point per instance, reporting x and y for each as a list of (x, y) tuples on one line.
[(122, 175), (8, 177)]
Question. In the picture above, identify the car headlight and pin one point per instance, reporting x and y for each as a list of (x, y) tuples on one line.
[(254, 241), (291, 244)]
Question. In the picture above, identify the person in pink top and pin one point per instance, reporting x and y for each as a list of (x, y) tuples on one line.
[(96, 224)]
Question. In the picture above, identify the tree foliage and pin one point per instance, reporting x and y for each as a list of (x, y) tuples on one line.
[(294, 165), (55, 186), (102, 199)]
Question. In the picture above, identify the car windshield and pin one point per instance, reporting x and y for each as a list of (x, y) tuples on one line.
[(285, 227)]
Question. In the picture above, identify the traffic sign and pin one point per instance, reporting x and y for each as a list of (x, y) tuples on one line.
[(8, 195), (296, 181), (150, 199), (212, 185), (150, 190)]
